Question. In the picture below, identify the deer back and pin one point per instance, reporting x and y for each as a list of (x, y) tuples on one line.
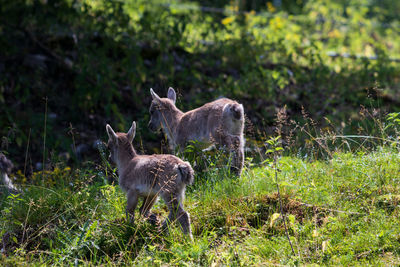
[(209, 120), (152, 174)]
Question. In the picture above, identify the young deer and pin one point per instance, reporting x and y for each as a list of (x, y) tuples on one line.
[(220, 123), (149, 176)]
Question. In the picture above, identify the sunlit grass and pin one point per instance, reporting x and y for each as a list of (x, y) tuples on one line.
[(340, 211)]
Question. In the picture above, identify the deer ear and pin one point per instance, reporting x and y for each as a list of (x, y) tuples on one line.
[(111, 134), (154, 95), (131, 133), (171, 94)]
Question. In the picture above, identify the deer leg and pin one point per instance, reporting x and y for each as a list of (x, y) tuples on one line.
[(131, 205), (148, 203), (238, 155), (172, 207), (176, 212), (235, 145), (184, 221)]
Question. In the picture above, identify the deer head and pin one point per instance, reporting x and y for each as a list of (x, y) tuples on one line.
[(118, 141), (159, 107)]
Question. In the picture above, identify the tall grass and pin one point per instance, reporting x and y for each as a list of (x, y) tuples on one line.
[(339, 211), (341, 203)]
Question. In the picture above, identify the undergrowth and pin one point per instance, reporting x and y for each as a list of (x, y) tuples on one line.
[(93, 62), (84, 63), (336, 199), (340, 209)]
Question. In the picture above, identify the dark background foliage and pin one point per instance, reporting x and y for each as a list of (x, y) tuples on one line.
[(71, 66)]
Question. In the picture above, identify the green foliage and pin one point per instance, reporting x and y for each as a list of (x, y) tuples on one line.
[(95, 61), (340, 211), (209, 163), (393, 128)]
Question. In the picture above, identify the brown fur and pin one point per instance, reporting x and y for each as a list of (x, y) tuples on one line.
[(150, 176), (220, 123)]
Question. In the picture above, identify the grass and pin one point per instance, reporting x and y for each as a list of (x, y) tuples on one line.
[(342, 208), (340, 211)]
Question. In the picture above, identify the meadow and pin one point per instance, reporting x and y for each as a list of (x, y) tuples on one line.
[(319, 81), (341, 211)]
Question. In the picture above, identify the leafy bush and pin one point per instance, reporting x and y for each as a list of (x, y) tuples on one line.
[(95, 60)]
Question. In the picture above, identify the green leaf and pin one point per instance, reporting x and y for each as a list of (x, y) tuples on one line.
[(274, 217)]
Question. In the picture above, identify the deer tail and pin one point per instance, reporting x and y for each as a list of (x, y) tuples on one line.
[(234, 110), (237, 111), (186, 172)]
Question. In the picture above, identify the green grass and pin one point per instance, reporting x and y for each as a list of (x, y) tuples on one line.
[(342, 208), (340, 211)]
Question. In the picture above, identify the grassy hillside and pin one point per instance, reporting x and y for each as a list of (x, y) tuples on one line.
[(321, 76), (340, 211)]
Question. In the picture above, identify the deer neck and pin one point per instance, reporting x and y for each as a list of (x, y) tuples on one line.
[(169, 123), (125, 154)]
